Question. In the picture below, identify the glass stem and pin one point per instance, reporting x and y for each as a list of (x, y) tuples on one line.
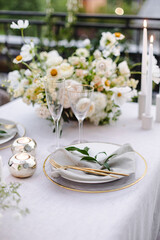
[(57, 132), (80, 130)]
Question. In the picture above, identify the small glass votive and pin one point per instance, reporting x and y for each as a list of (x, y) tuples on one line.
[(24, 144), (22, 165)]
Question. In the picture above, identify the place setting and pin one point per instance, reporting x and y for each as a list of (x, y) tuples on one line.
[(83, 166), (9, 131)]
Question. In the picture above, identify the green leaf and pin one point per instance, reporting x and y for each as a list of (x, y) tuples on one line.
[(2, 132), (83, 151), (100, 153), (90, 159), (106, 165)]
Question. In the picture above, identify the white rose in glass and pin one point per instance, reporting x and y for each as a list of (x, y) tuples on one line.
[(72, 85), (124, 69), (20, 24), (83, 105)]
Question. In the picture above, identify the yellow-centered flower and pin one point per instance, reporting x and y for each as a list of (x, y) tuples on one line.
[(117, 34), (107, 83), (54, 72), (119, 94)]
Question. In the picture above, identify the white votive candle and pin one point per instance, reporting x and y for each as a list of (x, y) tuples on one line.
[(23, 140), (149, 79), (22, 156), (144, 59)]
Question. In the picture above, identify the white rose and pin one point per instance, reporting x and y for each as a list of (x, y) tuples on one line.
[(66, 70), (99, 100), (83, 105)]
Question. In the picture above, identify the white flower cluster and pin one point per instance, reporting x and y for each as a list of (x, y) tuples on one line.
[(111, 80)]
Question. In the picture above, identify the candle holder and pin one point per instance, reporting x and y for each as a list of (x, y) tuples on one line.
[(22, 165), (158, 108), (24, 144), (141, 104), (147, 121)]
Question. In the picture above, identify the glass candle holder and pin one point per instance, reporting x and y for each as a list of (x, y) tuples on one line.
[(24, 144), (22, 165)]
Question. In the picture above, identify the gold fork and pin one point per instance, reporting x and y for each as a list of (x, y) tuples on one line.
[(7, 126), (88, 170)]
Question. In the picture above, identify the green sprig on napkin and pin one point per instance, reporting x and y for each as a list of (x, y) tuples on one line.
[(87, 157), (2, 132)]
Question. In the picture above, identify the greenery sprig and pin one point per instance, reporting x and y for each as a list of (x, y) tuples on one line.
[(2, 132), (87, 157), (10, 198)]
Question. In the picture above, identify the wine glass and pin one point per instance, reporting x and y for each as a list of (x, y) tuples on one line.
[(80, 101), (55, 90)]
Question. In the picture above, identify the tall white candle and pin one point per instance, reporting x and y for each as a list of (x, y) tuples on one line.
[(144, 59), (149, 79)]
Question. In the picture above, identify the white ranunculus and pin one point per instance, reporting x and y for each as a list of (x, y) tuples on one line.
[(54, 61), (43, 55), (107, 40), (106, 52), (20, 24), (27, 52), (124, 69), (105, 67), (83, 105), (82, 52), (66, 70), (122, 95), (74, 60), (116, 51), (97, 54), (99, 100)]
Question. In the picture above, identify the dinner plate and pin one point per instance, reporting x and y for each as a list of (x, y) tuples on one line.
[(20, 133), (10, 133), (123, 163), (140, 172)]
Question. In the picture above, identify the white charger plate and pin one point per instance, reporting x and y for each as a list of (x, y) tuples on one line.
[(140, 172), (11, 133)]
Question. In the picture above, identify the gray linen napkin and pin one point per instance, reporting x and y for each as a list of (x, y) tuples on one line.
[(122, 162)]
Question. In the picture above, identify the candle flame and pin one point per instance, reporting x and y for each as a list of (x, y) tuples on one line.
[(145, 23), (151, 39)]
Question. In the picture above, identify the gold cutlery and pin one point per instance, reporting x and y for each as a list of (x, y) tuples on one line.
[(88, 170), (7, 126)]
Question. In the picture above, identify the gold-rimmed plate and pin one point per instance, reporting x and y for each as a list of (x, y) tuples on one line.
[(21, 131), (140, 172)]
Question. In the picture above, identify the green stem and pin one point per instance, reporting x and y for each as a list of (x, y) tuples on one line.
[(136, 73), (134, 65), (22, 34), (27, 66)]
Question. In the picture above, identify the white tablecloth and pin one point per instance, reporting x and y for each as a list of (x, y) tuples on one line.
[(57, 213)]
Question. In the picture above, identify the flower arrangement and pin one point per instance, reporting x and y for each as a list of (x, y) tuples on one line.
[(100, 68)]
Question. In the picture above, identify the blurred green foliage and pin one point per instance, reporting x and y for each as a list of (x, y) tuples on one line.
[(32, 5)]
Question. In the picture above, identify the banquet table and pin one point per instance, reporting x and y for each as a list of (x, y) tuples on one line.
[(57, 213)]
